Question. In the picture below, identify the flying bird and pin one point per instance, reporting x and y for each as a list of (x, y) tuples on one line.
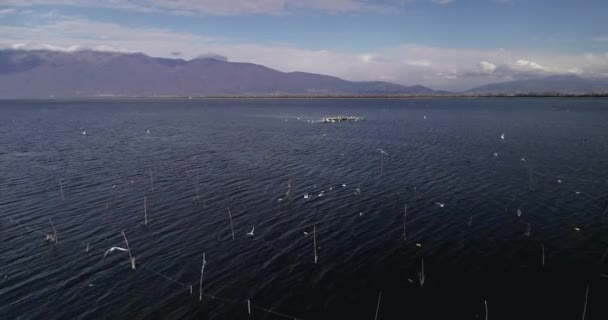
[(502, 136), (114, 249), (441, 205), (250, 233)]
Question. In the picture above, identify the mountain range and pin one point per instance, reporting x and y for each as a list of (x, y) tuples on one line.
[(44, 73)]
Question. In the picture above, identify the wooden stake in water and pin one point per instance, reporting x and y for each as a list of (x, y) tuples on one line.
[(131, 257), (585, 307), (61, 189), (145, 210), (421, 275), (378, 306), (200, 285), (542, 247), (197, 194), (382, 153), (314, 239), (404, 221), (486, 304), (248, 306), (151, 180), (231, 225)]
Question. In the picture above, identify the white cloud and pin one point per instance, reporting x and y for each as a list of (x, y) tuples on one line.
[(442, 68), (487, 66), (530, 65), (220, 7)]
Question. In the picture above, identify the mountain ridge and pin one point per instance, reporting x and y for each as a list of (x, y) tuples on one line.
[(44, 73)]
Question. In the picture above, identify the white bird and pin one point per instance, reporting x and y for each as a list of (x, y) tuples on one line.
[(147, 131), (424, 117), (559, 180), (343, 185), (577, 192), (502, 136), (306, 196), (250, 233), (321, 193), (84, 133), (114, 249), (383, 152), (519, 212), (441, 205), (523, 159), (113, 186), (496, 154)]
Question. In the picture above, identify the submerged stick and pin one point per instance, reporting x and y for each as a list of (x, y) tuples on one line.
[(404, 221), (131, 257), (542, 247), (197, 195), (585, 307), (314, 239), (200, 285), (378, 306), (61, 189), (486, 304), (145, 211), (421, 275), (231, 225), (249, 306)]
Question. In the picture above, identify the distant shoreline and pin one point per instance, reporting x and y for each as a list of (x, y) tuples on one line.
[(237, 97)]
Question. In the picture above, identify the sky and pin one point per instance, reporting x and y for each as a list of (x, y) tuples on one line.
[(443, 44)]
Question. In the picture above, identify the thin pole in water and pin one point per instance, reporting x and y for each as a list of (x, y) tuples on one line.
[(585, 308), (314, 239), (131, 258), (542, 247), (61, 189), (404, 221), (378, 306), (486, 304), (231, 225), (197, 194), (200, 285), (249, 306), (145, 210), (422, 273)]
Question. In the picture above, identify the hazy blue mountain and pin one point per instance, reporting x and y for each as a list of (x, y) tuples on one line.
[(553, 84), (44, 73)]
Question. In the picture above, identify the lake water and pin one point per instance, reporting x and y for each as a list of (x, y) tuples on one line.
[(191, 160)]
